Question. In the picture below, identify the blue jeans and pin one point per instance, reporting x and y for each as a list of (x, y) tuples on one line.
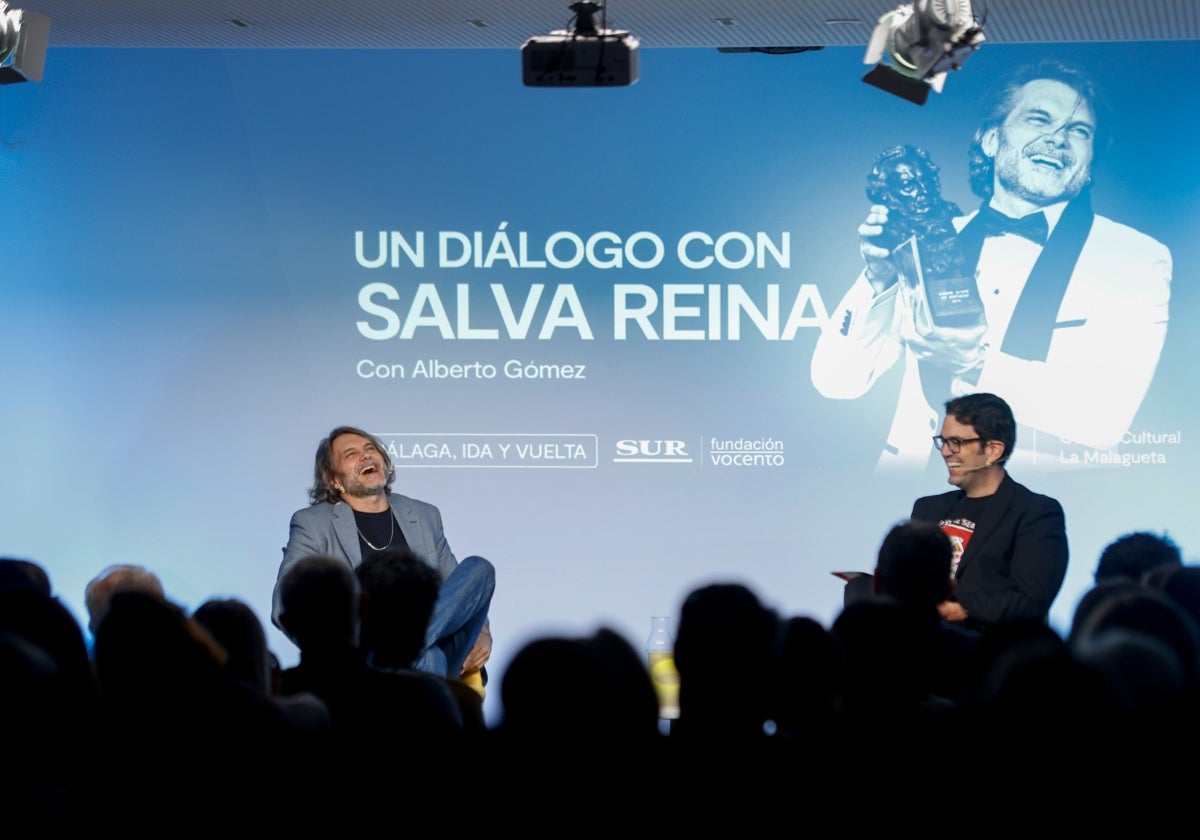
[(458, 617)]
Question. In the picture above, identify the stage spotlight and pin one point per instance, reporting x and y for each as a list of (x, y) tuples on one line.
[(586, 56), (915, 46), (23, 39)]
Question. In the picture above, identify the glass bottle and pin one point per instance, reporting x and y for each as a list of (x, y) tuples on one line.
[(660, 659)]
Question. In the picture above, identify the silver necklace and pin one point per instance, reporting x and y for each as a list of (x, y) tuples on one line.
[(371, 545)]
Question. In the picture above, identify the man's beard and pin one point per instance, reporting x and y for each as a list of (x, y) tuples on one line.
[(359, 490), (1034, 187)]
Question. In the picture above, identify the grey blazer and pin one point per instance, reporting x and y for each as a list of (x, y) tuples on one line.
[(329, 529)]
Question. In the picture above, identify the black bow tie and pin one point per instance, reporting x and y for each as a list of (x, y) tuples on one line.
[(1033, 227)]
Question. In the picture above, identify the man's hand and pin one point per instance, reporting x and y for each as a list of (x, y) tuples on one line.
[(480, 653), (881, 271), (952, 611), (956, 349)]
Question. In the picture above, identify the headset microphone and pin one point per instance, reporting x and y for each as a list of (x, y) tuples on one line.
[(974, 469)]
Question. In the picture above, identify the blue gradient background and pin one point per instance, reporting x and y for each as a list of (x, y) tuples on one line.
[(179, 300)]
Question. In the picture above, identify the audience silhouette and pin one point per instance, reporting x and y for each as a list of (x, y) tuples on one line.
[(189, 740), (724, 650), (250, 664), (372, 711), (807, 685), (887, 701), (120, 577), (913, 567), (50, 704), (399, 595), (1134, 555)]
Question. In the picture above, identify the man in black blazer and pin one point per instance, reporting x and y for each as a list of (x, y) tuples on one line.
[(1010, 544)]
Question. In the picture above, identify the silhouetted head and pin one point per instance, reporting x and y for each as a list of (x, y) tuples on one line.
[(235, 625), (1182, 585), (399, 594), (724, 626), (808, 679), (151, 655), (320, 603), (1122, 604), (119, 577), (1132, 555), (913, 565), (546, 689), (18, 572)]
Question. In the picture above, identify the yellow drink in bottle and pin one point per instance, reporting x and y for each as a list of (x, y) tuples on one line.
[(666, 682)]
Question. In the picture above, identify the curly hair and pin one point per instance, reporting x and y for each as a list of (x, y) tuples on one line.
[(401, 591), (1132, 555)]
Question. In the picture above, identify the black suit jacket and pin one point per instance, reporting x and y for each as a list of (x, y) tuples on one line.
[(1016, 560)]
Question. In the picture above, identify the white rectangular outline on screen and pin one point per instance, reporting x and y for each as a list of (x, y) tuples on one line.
[(408, 466)]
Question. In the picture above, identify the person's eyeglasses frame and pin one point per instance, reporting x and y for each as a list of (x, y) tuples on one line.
[(955, 443)]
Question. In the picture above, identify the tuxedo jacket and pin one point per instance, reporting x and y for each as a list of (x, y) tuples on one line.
[(1015, 562), (330, 529), (1108, 335)]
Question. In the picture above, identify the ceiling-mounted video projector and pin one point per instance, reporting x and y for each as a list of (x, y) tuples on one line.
[(23, 39), (914, 46), (588, 55)]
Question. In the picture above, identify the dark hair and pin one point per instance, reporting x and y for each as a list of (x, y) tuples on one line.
[(914, 564), (319, 601), (1132, 606), (401, 591), (19, 573), (1002, 100), (234, 624), (990, 416), (1132, 555), (323, 472)]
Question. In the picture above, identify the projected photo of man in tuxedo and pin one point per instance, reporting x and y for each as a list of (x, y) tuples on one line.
[(1076, 303)]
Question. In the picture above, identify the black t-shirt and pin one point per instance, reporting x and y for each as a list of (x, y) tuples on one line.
[(378, 532)]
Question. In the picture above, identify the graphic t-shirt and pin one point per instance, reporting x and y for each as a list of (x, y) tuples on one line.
[(959, 525)]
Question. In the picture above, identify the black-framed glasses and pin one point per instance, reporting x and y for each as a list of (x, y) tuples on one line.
[(955, 443)]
